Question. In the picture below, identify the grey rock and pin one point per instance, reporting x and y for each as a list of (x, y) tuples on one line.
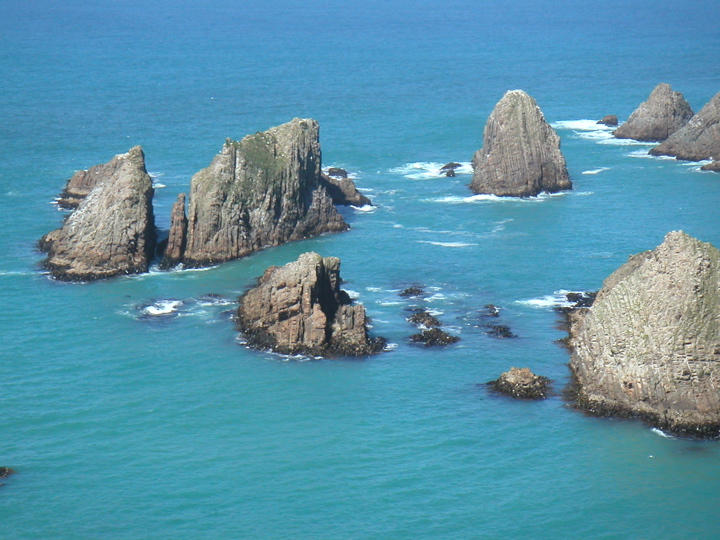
[(699, 139), (521, 383), (714, 166), (83, 182), (521, 153), (112, 232), (177, 239), (299, 308), (343, 191), (261, 191), (650, 344), (664, 112), (609, 120)]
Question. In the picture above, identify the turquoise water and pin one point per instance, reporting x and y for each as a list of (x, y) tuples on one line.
[(125, 425)]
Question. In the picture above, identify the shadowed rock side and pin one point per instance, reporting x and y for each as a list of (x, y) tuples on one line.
[(664, 112), (299, 308), (342, 191), (175, 249), (521, 153), (609, 120), (699, 139), (714, 167), (112, 232), (261, 191), (521, 383), (650, 344)]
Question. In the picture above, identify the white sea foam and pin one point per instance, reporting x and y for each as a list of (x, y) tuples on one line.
[(162, 307), (158, 185), (484, 198), (447, 244), (435, 297), (596, 171), (661, 433), (643, 154), (390, 346), (625, 142), (352, 294), (557, 299), (424, 170), (500, 225), (373, 289), (586, 129), (365, 208)]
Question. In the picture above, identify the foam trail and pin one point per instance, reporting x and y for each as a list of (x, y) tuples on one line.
[(447, 244), (425, 170), (596, 171)]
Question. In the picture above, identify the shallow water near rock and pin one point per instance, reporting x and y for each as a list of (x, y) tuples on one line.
[(124, 426)]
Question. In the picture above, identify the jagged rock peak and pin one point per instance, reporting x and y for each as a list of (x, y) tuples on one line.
[(521, 153), (650, 344), (112, 232), (175, 248), (299, 308), (699, 139), (264, 190), (664, 112)]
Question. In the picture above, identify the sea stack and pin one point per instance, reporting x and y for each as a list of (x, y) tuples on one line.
[(699, 139), (112, 232), (664, 112), (521, 383), (175, 248), (649, 346), (521, 154), (299, 308), (262, 191)]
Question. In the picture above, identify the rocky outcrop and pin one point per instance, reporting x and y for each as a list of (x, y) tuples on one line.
[(299, 308), (430, 334), (521, 383), (521, 153), (699, 139), (83, 182), (112, 232), (343, 191), (714, 167), (609, 120), (650, 344), (175, 247), (664, 112), (264, 190)]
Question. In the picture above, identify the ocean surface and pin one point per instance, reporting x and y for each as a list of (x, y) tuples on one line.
[(130, 409)]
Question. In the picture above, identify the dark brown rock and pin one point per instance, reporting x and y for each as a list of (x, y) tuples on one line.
[(699, 139), (521, 383), (343, 191), (421, 317), (521, 153), (262, 191), (175, 249), (299, 308), (609, 120), (112, 232), (412, 292), (714, 166), (337, 172), (664, 112), (6, 471), (434, 337), (649, 346), (500, 331)]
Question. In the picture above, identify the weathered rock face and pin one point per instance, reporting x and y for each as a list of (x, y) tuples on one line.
[(609, 120), (300, 308), (699, 139), (342, 191), (521, 153), (175, 249), (112, 232), (261, 191), (664, 112), (650, 344), (521, 383), (83, 182), (714, 167)]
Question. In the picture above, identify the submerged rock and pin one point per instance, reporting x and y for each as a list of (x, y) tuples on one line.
[(609, 120), (6, 471), (299, 308), (500, 331), (112, 232), (175, 248), (421, 317), (699, 139), (664, 112), (262, 191), (650, 344), (521, 383), (343, 191), (412, 292), (521, 153), (434, 337)]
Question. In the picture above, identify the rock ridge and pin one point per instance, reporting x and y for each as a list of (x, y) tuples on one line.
[(649, 346), (521, 154)]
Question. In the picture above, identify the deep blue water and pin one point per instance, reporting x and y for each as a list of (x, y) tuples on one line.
[(124, 425)]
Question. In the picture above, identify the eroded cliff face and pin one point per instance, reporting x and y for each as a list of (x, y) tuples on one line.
[(650, 344), (300, 308), (699, 139), (177, 238), (112, 232), (83, 182), (521, 152), (261, 191), (664, 112)]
